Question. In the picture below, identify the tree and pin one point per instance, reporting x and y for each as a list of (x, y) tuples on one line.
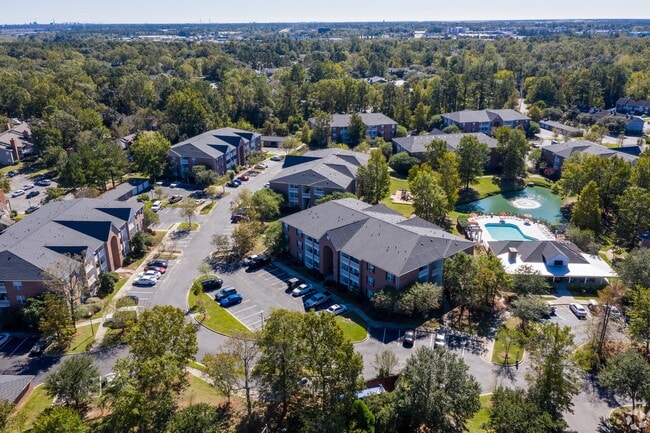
[(56, 320), (321, 132), (632, 217), (385, 363), (204, 176), (402, 163), (529, 309), (6, 421), (336, 195), (552, 376), (356, 129), (245, 350), (634, 270), (386, 148), (449, 179), (460, 282), (584, 239), (373, 180), (473, 156), (586, 211), (222, 243), (436, 392), (512, 148), (188, 208), (243, 238), (639, 313), (274, 239), (512, 411), (197, 418), (67, 278), (139, 245), (266, 203), (627, 374), (429, 200), (641, 172), (224, 370), (59, 419), (528, 281), (74, 382), (361, 419), (151, 218), (204, 268), (151, 152)]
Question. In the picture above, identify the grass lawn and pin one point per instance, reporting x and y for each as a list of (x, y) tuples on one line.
[(216, 318), (395, 185), (353, 326), (107, 300), (482, 416), (499, 353), (539, 181), (207, 208), (584, 293), (82, 339), (35, 404), (196, 365), (186, 226), (200, 391)]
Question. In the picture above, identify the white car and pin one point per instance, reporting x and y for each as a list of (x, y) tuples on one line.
[(17, 192), (316, 300), (4, 337), (150, 274), (174, 184), (614, 312), (302, 290), (145, 281), (578, 310), (156, 206), (276, 158), (337, 309), (28, 186), (440, 341)]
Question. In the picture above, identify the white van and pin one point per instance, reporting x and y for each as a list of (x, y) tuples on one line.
[(156, 206)]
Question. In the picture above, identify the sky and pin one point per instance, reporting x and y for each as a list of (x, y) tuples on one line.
[(245, 11)]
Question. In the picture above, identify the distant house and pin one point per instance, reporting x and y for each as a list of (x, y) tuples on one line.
[(304, 179), (556, 154), (485, 120), (377, 125), (15, 388), (633, 106), (557, 261), (633, 124), (415, 145), (126, 190), (273, 141), (15, 142), (366, 248), (100, 231), (219, 150), (561, 128)]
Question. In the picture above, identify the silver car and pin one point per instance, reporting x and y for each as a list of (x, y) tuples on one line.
[(578, 310)]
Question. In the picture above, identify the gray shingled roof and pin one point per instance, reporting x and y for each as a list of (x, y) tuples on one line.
[(368, 119), (558, 125), (539, 251), (483, 116), (568, 148), (13, 385), (37, 242), (417, 143), (378, 235), (211, 144), (326, 168), (635, 102)]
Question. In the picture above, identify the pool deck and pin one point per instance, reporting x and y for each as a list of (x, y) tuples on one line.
[(529, 228)]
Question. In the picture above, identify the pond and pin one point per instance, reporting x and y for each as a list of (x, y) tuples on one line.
[(537, 201)]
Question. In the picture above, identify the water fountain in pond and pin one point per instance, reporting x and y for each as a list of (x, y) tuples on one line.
[(527, 202)]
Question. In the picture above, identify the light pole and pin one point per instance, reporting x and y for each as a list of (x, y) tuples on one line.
[(262, 318)]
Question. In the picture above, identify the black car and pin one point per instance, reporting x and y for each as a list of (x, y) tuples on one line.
[(159, 263), (32, 209), (12, 173), (42, 344), (211, 283), (224, 293), (32, 194), (292, 283), (259, 261), (232, 184), (175, 198)]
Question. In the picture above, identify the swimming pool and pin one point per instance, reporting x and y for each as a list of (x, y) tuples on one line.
[(506, 232)]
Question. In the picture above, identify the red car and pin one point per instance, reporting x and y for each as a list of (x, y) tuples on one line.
[(243, 177), (155, 268)]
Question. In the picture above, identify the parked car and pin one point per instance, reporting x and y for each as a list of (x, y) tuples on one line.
[(259, 261), (155, 268), (614, 312), (262, 166), (248, 260), (551, 309), (150, 274), (134, 299), (293, 283), (12, 173), (316, 300), (276, 158), (231, 300), (4, 337), (267, 185), (41, 345), (158, 262), (174, 184), (440, 341), (232, 184), (409, 338), (212, 283), (337, 309), (156, 206), (175, 198), (302, 290), (243, 177), (578, 310), (144, 281), (236, 217), (28, 186), (33, 208), (43, 182), (17, 193), (32, 194), (224, 293)]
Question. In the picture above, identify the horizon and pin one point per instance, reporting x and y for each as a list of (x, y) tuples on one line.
[(287, 12)]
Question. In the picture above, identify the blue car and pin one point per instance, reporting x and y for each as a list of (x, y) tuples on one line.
[(231, 300)]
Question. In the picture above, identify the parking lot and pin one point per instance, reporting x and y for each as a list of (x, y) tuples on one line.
[(17, 346), (146, 294), (20, 203)]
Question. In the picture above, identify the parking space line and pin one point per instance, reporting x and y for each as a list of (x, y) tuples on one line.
[(251, 315), (17, 347), (244, 309), (383, 340), (254, 324)]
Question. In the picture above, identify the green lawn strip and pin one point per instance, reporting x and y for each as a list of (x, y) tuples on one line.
[(37, 402), (218, 319), (197, 366), (485, 187), (353, 326), (482, 416), (186, 226), (539, 181), (82, 339), (207, 208), (498, 355), (584, 293), (107, 300)]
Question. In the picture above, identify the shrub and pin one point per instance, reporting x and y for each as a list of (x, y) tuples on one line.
[(402, 162), (125, 302), (82, 312), (144, 197), (94, 305)]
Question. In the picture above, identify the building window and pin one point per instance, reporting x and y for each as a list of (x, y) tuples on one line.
[(423, 274), (370, 282), (285, 226), (390, 277), (299, 233), (299, 244), (555, 263), (18, 285), (370, 268), (21, 300)]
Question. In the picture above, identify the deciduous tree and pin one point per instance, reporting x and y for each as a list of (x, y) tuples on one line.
[(639, 313), (59, 419), (74, 381), (586, 211), (243, 238), (627, 374), (512, 147), (356, 129), (151, 152), (473, 156), (429, 199), (373, 180)]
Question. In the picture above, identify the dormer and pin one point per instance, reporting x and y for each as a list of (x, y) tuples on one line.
[(558, 260)]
